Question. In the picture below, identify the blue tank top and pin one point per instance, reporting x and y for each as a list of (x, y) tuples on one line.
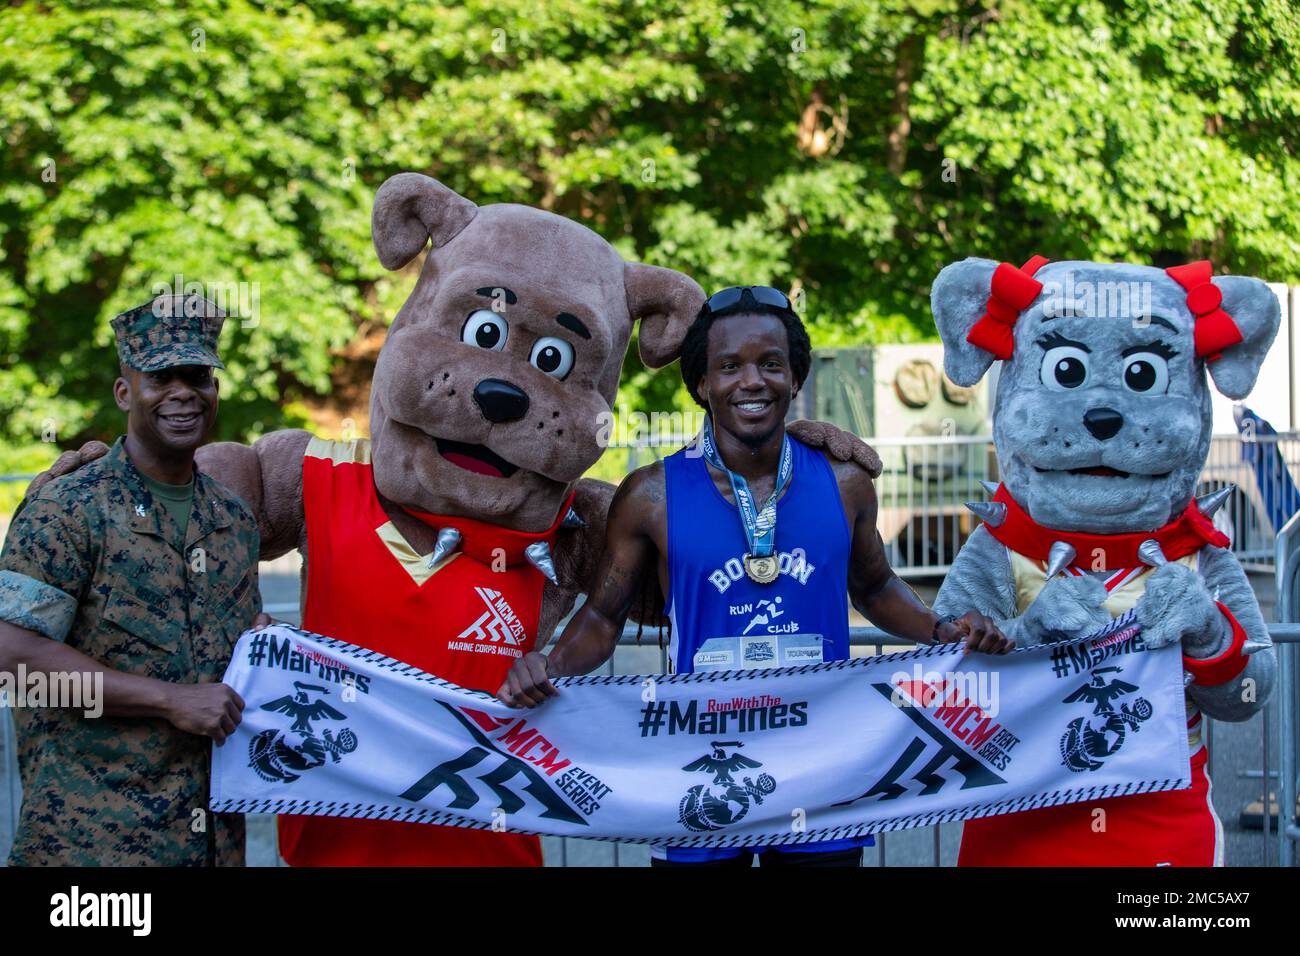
[(721, 620)]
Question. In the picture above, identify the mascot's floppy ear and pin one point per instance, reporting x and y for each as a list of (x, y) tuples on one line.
[(666, 303), (959, 298), (1257, 313), (411, 209)]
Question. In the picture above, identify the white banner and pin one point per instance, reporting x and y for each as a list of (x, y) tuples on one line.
[(782, 755)]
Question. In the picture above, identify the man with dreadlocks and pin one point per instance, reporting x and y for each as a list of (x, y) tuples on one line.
[(746, 585)]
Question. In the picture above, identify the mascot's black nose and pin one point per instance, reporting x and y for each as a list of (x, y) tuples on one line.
[(1102, 422), (500, 401)]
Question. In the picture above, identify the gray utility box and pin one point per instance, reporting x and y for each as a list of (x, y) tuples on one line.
[(926, 430)]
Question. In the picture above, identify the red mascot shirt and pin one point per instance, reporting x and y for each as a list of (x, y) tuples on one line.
[(460, 619), (1170, 828)]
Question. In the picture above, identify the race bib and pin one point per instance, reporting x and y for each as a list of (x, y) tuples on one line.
[(760, 650)]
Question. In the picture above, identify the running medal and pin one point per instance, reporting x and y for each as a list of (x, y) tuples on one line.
[(761, 570), (761, 564)]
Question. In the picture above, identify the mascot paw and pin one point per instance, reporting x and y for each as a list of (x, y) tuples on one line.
[(1066, 608), (67, 463), (1177, 606), (839, 444)]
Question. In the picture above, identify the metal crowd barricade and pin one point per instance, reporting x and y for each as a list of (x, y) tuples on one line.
[(1262, 491), (927, 480), (1279, 713), (1286, 696), (10, 788), (924, 522), (1285, 636)]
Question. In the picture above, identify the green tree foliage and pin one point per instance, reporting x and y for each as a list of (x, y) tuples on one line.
[(845, 150)]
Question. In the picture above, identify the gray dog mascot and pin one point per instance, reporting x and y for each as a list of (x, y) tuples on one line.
[(1102, 426)]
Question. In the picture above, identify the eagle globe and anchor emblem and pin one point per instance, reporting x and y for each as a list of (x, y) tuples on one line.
[(1088, 741), (283, 756), (712, 806)]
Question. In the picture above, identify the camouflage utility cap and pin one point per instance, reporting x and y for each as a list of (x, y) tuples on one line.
[(169, 330)]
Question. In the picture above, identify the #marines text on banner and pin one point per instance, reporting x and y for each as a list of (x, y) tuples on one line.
[(774, 755)]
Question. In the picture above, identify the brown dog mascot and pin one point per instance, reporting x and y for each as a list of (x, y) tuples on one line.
[(463, 530)]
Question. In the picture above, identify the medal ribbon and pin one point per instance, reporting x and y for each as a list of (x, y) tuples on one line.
[(760, 527)]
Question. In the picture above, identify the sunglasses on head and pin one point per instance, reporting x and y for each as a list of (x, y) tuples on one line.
[(758, 295)]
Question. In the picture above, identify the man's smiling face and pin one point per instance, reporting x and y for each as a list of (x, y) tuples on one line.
[(170, 411), (748, 381), (1100, 413)]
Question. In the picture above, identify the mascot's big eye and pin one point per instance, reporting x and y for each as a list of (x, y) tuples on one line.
[(553, 356), (485, 329), (1146, 372), (1064, 367)]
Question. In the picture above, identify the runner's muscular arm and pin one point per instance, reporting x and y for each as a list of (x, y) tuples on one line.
[(592, 633), (881, 595)]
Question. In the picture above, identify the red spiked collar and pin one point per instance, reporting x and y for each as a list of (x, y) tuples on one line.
[(1186, 534), (487, 542)]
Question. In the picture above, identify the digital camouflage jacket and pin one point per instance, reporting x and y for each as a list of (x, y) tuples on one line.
[(94, 561)]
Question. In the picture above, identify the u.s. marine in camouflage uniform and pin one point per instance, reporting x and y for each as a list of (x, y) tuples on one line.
[(151, 583)]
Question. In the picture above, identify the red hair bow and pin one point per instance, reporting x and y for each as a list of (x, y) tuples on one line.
[(1214, 330), (1010, 292)]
